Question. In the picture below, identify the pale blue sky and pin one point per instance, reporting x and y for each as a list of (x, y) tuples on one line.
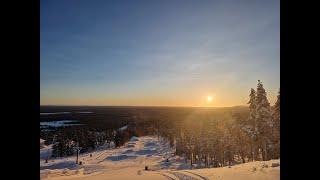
[(156, 52)]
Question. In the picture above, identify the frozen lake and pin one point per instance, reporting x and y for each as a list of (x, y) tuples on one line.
[(53, 113), (57, 124)]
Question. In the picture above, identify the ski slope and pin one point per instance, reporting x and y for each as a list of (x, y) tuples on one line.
[(129, 161)]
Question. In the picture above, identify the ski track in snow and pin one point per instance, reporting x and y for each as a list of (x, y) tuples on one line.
[(167, 176), (182, 176), (201, 177)]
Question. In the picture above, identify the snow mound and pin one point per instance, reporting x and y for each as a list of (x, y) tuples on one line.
[(130, 145), (147, 144), (120, 157), (60, 165), (146, 152), (128, 151), (134, 138)]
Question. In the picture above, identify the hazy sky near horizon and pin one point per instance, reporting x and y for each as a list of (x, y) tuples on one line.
[(158, 52)]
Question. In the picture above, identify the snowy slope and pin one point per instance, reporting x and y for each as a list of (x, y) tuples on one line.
[(128, 162), (261, 170)]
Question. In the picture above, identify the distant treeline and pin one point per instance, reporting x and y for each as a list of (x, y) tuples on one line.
[(101, 127)]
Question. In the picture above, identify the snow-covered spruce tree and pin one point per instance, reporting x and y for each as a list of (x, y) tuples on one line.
[(250, 127), (276, 112), (263, 121), (276, 127), (243, 142)]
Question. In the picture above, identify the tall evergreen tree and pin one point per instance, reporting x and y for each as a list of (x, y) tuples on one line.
[(252, 116), (250, 127), (276, 112), (276, 128), (263, 120)]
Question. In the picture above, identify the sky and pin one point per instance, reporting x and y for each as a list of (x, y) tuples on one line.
[(158, 52)]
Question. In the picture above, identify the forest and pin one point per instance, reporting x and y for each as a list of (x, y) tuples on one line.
[(211, 137)]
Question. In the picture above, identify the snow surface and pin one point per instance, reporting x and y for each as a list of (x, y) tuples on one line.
[(53, 113), (129, 161), (134, 138), (45, 152), (85, 112), (261, 170), (123, 128), (61, 123)]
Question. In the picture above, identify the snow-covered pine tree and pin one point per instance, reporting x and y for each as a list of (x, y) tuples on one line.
[(250, 126), (263, 120), (276, 128), (276, 112)]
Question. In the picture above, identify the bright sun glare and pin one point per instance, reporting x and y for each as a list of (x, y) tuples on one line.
[(209, 98)]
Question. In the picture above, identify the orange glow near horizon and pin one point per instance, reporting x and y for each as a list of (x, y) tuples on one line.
[(205, 101), (191, 98)]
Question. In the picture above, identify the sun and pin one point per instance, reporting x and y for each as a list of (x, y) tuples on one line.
[(209, 98)]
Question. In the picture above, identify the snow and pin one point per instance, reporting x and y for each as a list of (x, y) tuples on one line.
[(134, 138), (42, 145), (45, 152), (53, 113), (261, 170), (120, 157), (123, 128), (85, 112), (61, 123), (128, 162)]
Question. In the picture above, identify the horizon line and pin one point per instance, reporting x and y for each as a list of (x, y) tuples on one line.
[(144, 106)]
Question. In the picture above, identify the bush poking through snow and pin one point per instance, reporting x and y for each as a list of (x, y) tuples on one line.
[(254, 169)]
